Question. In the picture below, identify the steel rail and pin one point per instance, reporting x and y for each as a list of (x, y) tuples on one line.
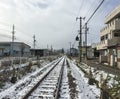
[(35, 87)]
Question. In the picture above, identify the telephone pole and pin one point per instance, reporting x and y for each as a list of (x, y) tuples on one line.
[(13, 38), (70, 48), (34, 43), (14, 77), (80, 40), (86, 29)]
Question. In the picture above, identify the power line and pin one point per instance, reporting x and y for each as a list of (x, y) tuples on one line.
[(95, 11), (82, 3), (4, 35), (90, 7)]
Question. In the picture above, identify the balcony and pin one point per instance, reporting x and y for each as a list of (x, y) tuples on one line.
[(102, 45), (114, 25), (114, 41)]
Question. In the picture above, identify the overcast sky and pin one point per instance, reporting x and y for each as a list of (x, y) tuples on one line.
[(52, 21)]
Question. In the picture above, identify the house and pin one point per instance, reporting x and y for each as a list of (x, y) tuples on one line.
[(15, 49), (110, 39)]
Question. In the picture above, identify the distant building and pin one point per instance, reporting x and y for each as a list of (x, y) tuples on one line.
[(89, 52), (40, 52), (110, 39), (74, 52), (15, 49)]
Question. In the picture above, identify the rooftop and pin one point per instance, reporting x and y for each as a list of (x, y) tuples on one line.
[(114, 14)]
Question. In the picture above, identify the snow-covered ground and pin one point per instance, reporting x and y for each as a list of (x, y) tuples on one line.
[(100, 75), (85, 91), (25, 83), (64, 90), (73, 78), (105, 80)]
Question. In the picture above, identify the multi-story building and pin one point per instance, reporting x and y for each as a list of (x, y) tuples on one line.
[(110, 39), (15, 49)]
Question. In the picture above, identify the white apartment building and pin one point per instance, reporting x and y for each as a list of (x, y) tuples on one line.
[(110, 39)]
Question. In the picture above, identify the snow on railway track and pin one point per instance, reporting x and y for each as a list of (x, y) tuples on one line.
[(24, 84), (48, 87), (64, 89), (60, 79)]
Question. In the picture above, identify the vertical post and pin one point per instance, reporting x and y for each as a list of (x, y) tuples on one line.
[(70, 48), (14, 78), (34, 41), (13, 37), (12, 44), (80, 40), (86, 29)]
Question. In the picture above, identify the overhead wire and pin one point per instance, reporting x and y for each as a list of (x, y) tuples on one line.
[(95, 11), (106, 6), (90, 8), (81, 5), (6, 34)]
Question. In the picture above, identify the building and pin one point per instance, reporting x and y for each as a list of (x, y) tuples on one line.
[(74, 52), (95, 52), (15, 49), (89, 52), (110, 39), (40, 52)]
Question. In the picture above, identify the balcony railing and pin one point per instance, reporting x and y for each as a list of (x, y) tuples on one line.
[(104, 44), (114, 41), (114, 25)]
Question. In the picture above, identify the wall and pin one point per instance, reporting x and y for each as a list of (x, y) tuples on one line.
[(118, 57)]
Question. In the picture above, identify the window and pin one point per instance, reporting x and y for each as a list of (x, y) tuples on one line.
[(106, 36), (102, 38), (116, 34)]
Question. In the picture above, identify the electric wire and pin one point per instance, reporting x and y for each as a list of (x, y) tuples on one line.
[(81, 5), (90, 8), (95, 11)]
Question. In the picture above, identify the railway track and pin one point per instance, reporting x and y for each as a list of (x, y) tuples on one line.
[(48, 86), (54, 81), (20, 89)]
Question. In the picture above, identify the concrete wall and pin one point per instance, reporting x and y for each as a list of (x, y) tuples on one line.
[(118, 57), (103, 59)]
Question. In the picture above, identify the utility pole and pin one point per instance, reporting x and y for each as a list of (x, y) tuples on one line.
[(14, 77), (86, 29), (80, 40), (70, 48), (13, 38), (34, 43)]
